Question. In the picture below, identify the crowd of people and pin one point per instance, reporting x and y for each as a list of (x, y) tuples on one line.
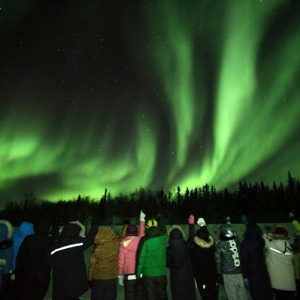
[(267, 264)]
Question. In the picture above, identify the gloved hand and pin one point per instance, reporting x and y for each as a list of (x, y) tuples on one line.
[(121, 279), (246, 283), (191, 219), (142, 216), (220, 279), (90, 284), (291, 215), (201, 222)]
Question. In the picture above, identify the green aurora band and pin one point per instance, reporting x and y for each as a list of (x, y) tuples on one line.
[(230, 110)]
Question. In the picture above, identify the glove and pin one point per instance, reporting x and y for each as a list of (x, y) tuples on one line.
[(292, 215), (142, 216), (121, 279), (220, 279), (191, 219), (90, 284), (201, 222), (246, 283), (244, 219)]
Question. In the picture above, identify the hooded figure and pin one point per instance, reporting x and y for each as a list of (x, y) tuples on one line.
[(204, 265), (151, 260), (228, 262), (67, 261), (25, 228), (279, 258), (180, 265), (32, 267), (6, 255), (103, 264), (253, 263), (133, 288)]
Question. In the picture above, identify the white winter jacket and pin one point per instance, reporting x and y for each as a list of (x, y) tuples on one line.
[(279, 259)]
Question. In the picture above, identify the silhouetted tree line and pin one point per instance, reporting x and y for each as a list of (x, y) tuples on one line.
[(258, 201)]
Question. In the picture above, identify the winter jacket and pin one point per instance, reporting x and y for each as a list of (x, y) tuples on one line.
[(279, 259), (6, 250), (253, 263), (25, 228), (151, 253), (103, 263), (203, 260), (33, 267), (296, 225), (227, 256), (67, 260), (180, 264), (127, 254)]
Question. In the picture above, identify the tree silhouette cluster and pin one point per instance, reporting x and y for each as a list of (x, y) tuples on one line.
[(259, 201)]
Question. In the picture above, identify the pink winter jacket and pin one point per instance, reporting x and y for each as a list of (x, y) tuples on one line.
[(127, 251)]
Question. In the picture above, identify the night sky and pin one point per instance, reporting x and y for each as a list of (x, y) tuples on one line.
[(128, 94)]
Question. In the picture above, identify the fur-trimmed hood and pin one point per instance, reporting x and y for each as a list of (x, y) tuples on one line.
[(184, 236), (204, 244), (6, 230)]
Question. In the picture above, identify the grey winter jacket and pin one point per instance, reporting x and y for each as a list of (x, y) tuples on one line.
[(227, 256)]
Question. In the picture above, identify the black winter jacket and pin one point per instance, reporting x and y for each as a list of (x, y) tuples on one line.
[(253, 263), (67, 261), (203, 259), (181, 271)]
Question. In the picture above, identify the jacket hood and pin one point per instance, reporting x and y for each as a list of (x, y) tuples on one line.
[(25, 228), (105, 235), (175, 230), (253, 231), (274, 236), (204, 244), (69, 231), (6, 230), (128, 243), (41, 227)]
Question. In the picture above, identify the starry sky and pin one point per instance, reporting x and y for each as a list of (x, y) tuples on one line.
[(147, 93)]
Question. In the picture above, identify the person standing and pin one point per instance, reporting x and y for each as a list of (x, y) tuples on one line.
[(32, 266), (279, 259), (151, 260), (254, 268), (296, 262), (228, 263), (103, 264), (180, 264), (204, 264), (67, 261), (133, 288), (6, 257)]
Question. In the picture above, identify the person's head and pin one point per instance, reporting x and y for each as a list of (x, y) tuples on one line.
[(253, 231), (69, 231), (203, 233), (41, 227), (132, 230), (280, 231), (176, 234), (151, 223), (227, 232)]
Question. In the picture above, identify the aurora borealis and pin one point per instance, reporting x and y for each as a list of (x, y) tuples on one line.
[(129, 94)]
